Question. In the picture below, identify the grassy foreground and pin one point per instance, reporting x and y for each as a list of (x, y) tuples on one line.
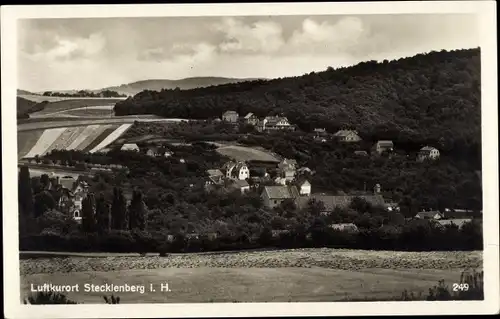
[(250, 285), (252, 276)]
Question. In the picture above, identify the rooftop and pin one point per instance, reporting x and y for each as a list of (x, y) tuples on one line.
[(345, 132), (281, 192)]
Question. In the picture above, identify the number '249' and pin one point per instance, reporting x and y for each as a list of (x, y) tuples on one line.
[(460, 287)]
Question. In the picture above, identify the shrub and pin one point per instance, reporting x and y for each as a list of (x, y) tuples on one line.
[(111, 300), (48, 298)]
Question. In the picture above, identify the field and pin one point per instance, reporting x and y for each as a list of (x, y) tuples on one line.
[(91, 138), (289, 275), (76, 103), (242, 153)]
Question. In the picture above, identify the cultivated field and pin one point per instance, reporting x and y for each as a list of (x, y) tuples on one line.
[(66, 104), (242, 153), (90, 138), (289, 275)]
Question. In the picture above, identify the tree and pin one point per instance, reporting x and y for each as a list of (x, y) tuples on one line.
[(43, 202), (137, 212), (103, 214), (25, 192), (89, 213), (118, 210)]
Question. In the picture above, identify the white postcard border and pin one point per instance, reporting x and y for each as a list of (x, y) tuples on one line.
[(484, 9)]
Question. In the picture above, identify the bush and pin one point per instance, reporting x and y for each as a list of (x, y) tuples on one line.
[(47, 298)]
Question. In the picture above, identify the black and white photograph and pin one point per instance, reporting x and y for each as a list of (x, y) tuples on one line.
[(225, 155)]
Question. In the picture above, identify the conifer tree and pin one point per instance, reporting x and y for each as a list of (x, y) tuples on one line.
[(118, 210), (103, 214), (88, 213), (137, 212), (25, 192)]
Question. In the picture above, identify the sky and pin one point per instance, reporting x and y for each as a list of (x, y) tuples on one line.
[(93, 53)]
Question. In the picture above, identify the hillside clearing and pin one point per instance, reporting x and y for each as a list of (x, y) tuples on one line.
[(242, 153), (75, 103)]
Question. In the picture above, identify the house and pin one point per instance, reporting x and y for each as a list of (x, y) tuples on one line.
[(280, 180), (251, 119), (215, 178), (130, 147), (383, 146), (330, 202), (457, 213), (360, 153), (72, 193), (320, 132), (236, 170), (287, 169), (429, 215), (347, 136), (158, 152), (274, 123), (392, 207), (347, 227), (305, 188), (273, 196), (242, 185), (305, 170), (230, 117), (427, 152)]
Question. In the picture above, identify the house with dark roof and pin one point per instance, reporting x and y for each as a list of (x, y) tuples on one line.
[(236, 170), (330, 202), (251, 119), (287, 169), (427, 153), (383, 146), (230, 117), (347, 136), (274, 123), (434, 214), (242, 185), (273, 196)]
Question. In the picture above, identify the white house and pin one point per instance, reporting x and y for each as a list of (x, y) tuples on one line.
[(428, 152), (230, 116), (305, 188), (236, 170), (383, 146), (347, 136)]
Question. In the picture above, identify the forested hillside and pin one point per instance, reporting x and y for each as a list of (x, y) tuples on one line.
[(25, 107), (430, 98)]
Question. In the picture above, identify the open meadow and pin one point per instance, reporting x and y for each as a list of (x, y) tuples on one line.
[(242, 153), (259, 276)]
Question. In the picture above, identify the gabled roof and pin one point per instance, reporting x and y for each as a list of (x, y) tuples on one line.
[(214, 172), (281, 192), (67, 182), (319, 130), (385, 143), (249, 115), (241, 183), (343, 133), (342, 201), (129, 147), (429, 214), (230, 112), (304, 182), (360, 153), (427, 148), (289, 161)]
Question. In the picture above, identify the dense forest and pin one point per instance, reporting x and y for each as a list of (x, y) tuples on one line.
[(431, 98)]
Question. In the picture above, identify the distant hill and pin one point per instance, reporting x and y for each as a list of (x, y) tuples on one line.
[(432, 98), (25, 107), (24, 92), (183, 84)]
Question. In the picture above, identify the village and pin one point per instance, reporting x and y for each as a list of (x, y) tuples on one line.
[(277, 181)]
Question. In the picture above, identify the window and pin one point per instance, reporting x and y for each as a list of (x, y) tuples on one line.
[(76, 213)]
